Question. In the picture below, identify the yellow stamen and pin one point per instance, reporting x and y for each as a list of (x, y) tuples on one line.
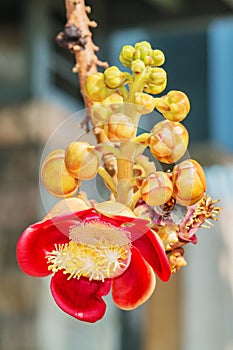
[(96, 251)]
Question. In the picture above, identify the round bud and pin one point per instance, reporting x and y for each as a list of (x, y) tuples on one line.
[(137, 66), (55, 177), (120, 128), (126, 55), (158, 58), (101, 111), (113, 77), (189, 182), (81, 160), (156, 189), (145, 49), (168, 141), (145, 103), (174, 106), (95, 87), (156, 81)]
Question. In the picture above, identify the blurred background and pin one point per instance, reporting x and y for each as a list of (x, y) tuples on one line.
[(38, 91)]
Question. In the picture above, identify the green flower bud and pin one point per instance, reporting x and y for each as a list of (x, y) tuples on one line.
[(95, 87), (137, 66), (113, 77), (126, 55), (158, 58)]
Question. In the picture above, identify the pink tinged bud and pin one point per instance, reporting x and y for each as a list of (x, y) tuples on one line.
[(55, 177), (81, 160), (169, 141), (120, 127), (156, 189), (189, 182)]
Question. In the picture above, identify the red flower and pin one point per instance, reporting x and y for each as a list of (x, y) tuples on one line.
[(89, 253)]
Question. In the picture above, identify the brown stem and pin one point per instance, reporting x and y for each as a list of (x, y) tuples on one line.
[(83, 47)]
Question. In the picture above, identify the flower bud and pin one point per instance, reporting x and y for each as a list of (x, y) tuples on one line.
[(113, 101), (113, 77), (145, 103), (142, 44), (99, 114), (81, 160), (156, 189), (158, 58), (95, 87), (145, 49), (101, 111), (156, 81), (55, 177), (120, 128), (126, 55), (137, 66), (174, 106), (189, 182), (168, 141)]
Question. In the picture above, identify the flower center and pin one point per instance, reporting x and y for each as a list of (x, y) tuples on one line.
[(96, 250)]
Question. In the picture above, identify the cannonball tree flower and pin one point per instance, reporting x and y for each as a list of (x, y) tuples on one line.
[(89, 252)]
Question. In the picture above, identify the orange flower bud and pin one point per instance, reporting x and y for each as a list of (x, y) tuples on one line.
[(120, 128), (189, 182), (174, 106), (156, 189), (81, 160), (169, 141), (55, 177)]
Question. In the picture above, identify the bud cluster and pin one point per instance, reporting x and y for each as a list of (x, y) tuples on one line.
[(119, 99)]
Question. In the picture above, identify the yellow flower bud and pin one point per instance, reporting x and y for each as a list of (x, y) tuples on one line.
[(174, 106), (156, 82), (120, 128), (81, 160), (137, 66), (189, 182), (55, 177), (126, 55), (99, 114), (113, 100), (141, 44), (113, 77), (95, 87), (144, 48), (156, 189), (158, 58), (101, 111), (168, 141), (145, 102)]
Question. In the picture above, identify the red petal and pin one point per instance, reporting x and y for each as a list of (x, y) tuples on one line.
[(40, 238), (33, 246), (81, 298), (152, 251), (136, 284)]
